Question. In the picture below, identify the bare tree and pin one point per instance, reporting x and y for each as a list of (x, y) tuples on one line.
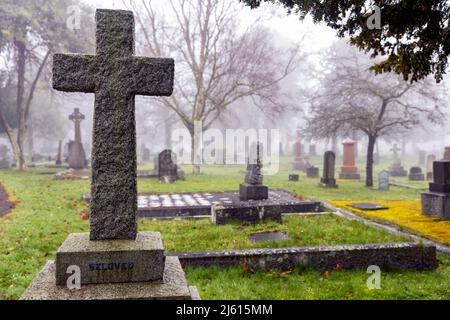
[(350, 97), (216, 63)]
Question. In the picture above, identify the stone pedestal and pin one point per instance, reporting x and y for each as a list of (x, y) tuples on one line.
[(396, 170), (112, 261), (436, 204), (253, 192), (249, 213), (173, 286), (113, 269)]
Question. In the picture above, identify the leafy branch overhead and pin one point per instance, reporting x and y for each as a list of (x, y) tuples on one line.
[(414, 39)]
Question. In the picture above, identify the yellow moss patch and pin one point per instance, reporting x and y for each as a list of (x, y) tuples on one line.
[(406, 214)]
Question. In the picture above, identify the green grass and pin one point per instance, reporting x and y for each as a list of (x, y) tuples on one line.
[(238, 284), (47, 211)]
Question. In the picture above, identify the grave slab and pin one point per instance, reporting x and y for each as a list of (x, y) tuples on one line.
[(173, 287), (368, 206)]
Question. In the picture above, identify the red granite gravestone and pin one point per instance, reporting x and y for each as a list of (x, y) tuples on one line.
[(349, 169), (447, 154)]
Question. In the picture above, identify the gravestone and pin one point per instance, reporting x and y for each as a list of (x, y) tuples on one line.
[(312, 172), (114, 259), (422, 158), (76, 155), (328, 180), (167, 168), (312, 150), (436, 202), (396, 169), (145, 153), (430, 160), (415, 174), (253, 188), (349, 171), (299, 159), (383, 181), (59, 155), (294, 178), (447, 153)]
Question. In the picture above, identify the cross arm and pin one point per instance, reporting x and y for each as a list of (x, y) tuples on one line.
[(151, 76), (74, 73)]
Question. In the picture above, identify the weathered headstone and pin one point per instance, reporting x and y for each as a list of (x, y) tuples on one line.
[(294, 178), (167, 167), (396, 169), (76, 155), (349, 171), (436, 202), (253, 188), (430, 160), (422, 158), (145, 153), (447, 153), (114, 255), (383, 181), (416, 174), (328, 180), (312, 172), (299, 159), (59, 155)]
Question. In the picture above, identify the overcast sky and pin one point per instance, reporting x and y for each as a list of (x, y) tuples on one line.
[(319, 36)]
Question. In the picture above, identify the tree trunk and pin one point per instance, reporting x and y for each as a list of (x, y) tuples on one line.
[(369, 164), (196, 166), (21, 130)]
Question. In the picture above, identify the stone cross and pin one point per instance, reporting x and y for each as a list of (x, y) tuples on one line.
[(116, 76), (77, 117), (395, 150)]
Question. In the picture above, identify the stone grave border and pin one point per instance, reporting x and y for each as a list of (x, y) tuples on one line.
[(388, 256)]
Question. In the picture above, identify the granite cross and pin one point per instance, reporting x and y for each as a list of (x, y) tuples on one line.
[(77, 117), (116, 76), (395, 150)]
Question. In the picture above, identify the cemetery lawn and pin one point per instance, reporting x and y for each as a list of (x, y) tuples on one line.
[(47, 211)]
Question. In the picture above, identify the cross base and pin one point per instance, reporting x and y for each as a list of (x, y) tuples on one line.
[(173, 287)]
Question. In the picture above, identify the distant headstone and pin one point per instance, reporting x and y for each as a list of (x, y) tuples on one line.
[(396, 169), (312, 172), (376, 158), (430, 160), (383, 181), (422, 158), (312, 150), (447, 153), (416, 174), (114, 262), (253, 188), (59, 155), (145, 154), (328, 180), (294, 178), (76, 155), (436, 202), (167, 168), (299, 159), (349, 171)]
